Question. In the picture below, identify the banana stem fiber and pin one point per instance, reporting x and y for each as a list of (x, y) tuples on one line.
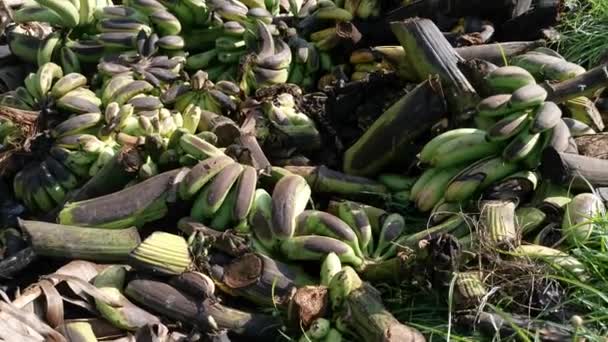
[(429, 53), (95, 244), (364, 312)]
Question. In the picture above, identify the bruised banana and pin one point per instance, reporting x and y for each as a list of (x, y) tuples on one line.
[(213, 194), (477, 177), (353, 214), (314, 222), (313, 247), (132, 206), (260, 219), (392, 228), (289, 199)]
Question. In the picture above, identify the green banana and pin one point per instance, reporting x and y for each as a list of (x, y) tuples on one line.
[(508, 127), (428, 151), (477, 177), (76, 124), (421, 182), (127, 316), (65, 10), (495, 106), (434, 190), (546, 116), (314, 222), (463, 149), (36, 13), (507, 79), (51, 185), (245, 193), (289, 198), (528, 96), (521, 147), (260, 219), (67, 83), (392, 229), (198, 147), (47, 48), (213, 195), (329, 268), (354, 215), (315, 247)]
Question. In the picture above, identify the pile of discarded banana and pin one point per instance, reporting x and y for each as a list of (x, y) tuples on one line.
[(141, 155)]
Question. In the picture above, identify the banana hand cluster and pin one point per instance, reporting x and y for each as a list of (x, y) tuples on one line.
[(513, 128), (68, 14), (143, 64), (308, 61), (281, 225), (366, 61), (270, 65), (286, 125)]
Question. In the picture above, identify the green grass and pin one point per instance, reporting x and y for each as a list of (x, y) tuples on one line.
[(418, 305), (583, 32)]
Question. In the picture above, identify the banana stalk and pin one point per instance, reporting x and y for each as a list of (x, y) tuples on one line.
[(498, 218), (112, 177), (391, 136), (429, 53), (225, 242), (207, 315), (362, 310), (324, 180), (225, 129), (54, 240), (573, 170), (260, 279)]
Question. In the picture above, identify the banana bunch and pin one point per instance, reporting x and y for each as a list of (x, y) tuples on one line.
[(269, 65), (317, 18), (367, 61), (69, 53), (144, 63), (285, 126), (281, 225), (221, 98), (139, 44), (190, 13), (50, 89), (57, 46), (222, 190), (308, 61), (513, 128), (155, 14), (63, 14), (73, 158)]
